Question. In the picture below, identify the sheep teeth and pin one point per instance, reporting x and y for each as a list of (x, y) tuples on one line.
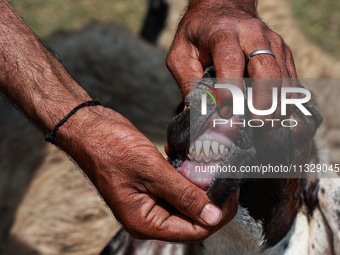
[(191, 150), (221, 149), (198, 148), (206, 149), (214, 148)]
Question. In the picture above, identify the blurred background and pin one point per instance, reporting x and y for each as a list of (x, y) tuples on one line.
[(46, 204), (48, 16), (318, 20)]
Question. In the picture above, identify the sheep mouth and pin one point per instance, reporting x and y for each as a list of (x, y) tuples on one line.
[(212, 148)]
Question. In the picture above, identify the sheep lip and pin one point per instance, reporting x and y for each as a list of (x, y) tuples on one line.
[(187, 162), (202, 179)]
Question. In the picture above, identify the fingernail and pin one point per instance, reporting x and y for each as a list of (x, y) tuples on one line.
[(211, 214)]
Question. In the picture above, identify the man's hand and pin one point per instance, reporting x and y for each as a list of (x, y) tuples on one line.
[(224, 33), (139, 185)]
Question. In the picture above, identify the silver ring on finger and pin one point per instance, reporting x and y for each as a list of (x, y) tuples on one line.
[(258, 52)]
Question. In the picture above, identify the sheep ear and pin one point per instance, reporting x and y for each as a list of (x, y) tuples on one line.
[(123, 243)]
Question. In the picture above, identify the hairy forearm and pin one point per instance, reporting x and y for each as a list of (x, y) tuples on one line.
[(248, 6), (31, 77)]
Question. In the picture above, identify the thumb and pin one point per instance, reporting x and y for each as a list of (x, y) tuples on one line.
[(183, 63), (186, 197)]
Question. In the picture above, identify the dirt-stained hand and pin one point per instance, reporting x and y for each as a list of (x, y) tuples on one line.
[(143, 190), (224, 33)]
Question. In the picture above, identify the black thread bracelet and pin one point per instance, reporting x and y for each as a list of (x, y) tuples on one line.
[(51, 137)]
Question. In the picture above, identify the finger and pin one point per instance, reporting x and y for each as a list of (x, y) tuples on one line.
[(228, 60), (264, 65), (290, 63), (229, 63), (279, 48), (177, 227), (188, 198), (294, 81), (161, 224), (160, 179), (183, 63), (267, 77), (287, 67), (185, 196), (265, 71), (190, 231)]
